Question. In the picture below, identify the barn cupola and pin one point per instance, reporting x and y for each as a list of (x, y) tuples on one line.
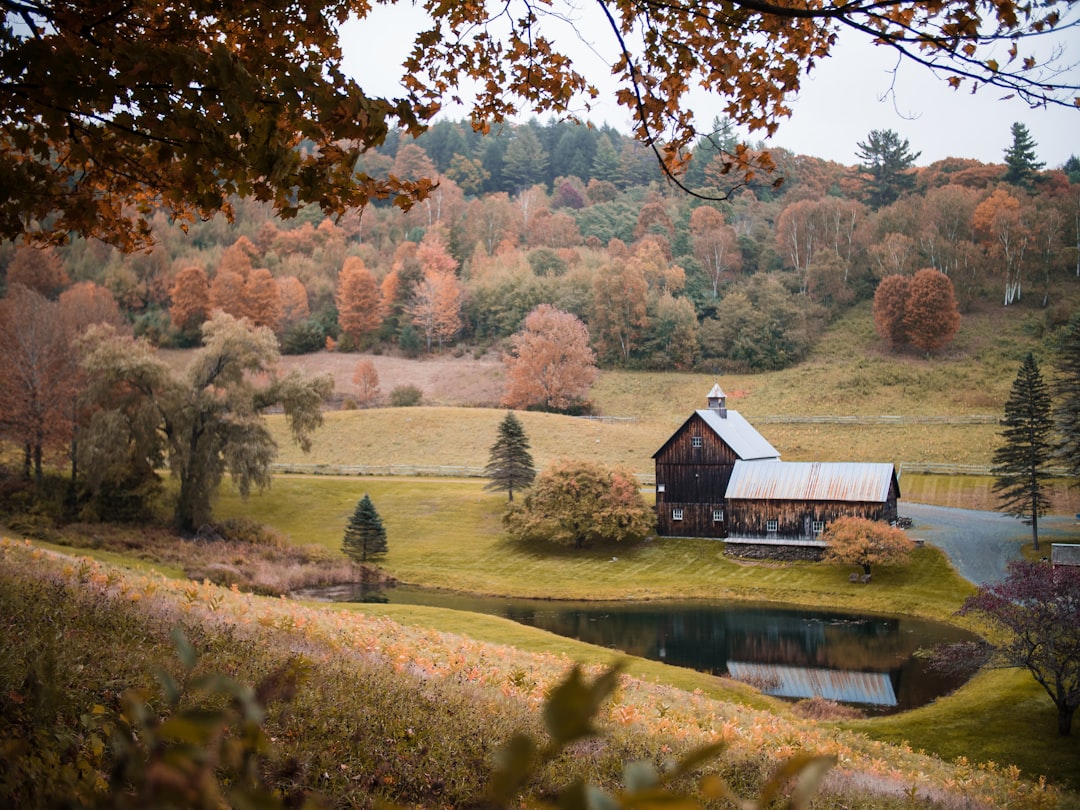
[(718, 401)]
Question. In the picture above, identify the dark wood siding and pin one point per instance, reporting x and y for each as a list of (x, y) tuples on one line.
[(697, 520), (686, 474), (794, 519)]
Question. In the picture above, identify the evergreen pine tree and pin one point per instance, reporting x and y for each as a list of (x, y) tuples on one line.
[(365, 535), (510, 465), (888, 159), (1020, 157), (526, 161), (1067, 388), (1021, 462), (1072, 169)]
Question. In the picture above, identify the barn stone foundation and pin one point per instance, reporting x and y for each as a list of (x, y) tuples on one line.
[(773, 551)]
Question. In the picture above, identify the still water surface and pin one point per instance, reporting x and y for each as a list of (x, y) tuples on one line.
[(866, 661)]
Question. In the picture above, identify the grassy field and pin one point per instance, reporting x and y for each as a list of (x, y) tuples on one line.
[(448, 534)]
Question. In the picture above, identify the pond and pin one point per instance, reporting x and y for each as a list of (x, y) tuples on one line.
[(790, 652)]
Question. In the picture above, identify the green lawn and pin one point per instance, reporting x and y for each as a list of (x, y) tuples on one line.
[(448, 534)]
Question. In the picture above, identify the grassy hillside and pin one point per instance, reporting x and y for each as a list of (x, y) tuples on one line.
[(386, 710), (849, 374)]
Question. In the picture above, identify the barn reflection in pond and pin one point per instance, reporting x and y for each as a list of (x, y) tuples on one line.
[(868, 661)]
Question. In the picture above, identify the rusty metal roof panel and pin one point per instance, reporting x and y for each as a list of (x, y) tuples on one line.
[(739, 435), (811, 481), (801, 682)]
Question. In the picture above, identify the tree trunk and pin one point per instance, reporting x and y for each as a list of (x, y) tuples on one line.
[(1034, 511), (1065, 716)]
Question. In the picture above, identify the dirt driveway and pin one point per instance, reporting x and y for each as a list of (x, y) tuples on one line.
[(981, 544)]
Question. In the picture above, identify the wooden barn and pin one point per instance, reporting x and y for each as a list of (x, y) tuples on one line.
[(798, 499), (694, 465), (718, 477)]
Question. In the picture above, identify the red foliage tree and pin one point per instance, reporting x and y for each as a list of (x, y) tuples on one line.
[(890, 302), (87, 304), (37, 385), (931, 315), (1037, 608), (550, 363), (39, 269)]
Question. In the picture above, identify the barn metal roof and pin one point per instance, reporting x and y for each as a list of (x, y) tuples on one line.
[(811, 481), (799, 682), (739, 435)]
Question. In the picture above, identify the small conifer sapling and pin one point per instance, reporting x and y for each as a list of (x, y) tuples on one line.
[(365, 535)]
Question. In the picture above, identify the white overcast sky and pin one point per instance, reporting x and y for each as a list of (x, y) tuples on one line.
[(842, 100)]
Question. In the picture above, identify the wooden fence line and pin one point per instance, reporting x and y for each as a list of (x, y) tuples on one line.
[(645, 479), (915, 419), (411, 470), (931, 468)]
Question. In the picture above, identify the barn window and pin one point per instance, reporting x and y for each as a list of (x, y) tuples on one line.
[(660, 488), (817, 526), (676, 514), (695, 441), (772, 525), (718, 515)]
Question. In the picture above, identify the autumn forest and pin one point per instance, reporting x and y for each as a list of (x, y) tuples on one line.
[(584, 220)]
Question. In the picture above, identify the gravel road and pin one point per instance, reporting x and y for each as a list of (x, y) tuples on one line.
[(980, 544)]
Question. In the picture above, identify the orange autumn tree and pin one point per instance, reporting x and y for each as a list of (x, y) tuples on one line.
[(1003, 223), (550, 364), (865, 543), (359, 301), (715, 246), (294, 301), (262, 299), (619, 312), (110, 113), (366, 379), (190, 297), (581, 503), (435, 308), (230, 277)]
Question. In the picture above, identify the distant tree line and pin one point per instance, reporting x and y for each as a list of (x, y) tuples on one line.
[(578, 220)]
